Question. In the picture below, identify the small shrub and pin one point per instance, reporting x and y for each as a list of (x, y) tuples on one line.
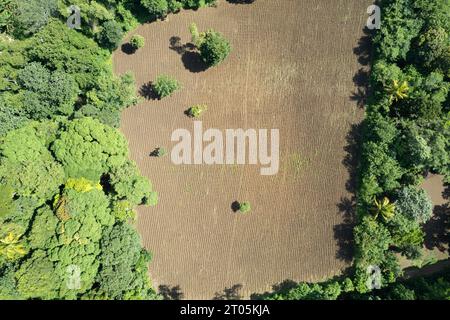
[(244, 207), (164, 86), (159, 152), (197, 110), (137, 42), (111, 35)]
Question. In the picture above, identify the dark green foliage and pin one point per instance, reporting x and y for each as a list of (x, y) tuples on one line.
[(214, 48), (54, 213), (157, 8), (31, 15), (111, 35), (69, 221), (58, 47), (398, 28), (122, 273), (46, 93), (165, 85), (160, 8), (404, 135)]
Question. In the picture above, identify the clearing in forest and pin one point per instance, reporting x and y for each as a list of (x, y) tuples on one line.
[(292, 68)]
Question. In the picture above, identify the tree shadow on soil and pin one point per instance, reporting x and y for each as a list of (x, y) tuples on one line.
[(241, 1), (282, 288), (235, 206), (127, 48), (343, 233), (231, 293), (147, 91), (361, 79), (437, 229), (170, 293), (191, 59)]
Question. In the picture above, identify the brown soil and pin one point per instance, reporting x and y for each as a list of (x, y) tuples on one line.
[(292, 67)]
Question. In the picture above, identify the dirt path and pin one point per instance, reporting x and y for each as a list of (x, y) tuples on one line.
[(291, 68)]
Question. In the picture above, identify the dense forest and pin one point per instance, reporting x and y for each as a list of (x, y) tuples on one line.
[(67, 187)]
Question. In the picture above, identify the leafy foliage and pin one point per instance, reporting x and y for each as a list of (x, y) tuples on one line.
[(414, 204), (213, 46), (165, 85)]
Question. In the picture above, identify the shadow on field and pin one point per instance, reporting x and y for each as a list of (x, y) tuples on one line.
[(437, 230), (241, 1), (231, 293), (235, 206), (281, 288), (170, 293), (127, 48), (361, 79), (147, 92), (343, 233), (191, 59)]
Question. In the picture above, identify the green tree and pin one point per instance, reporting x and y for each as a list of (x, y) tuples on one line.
[(165, 85), (88, 149), (414, 203), (400, 26), (433, 50), (30, 16), (245, 207), (111, 35), (214, 48), (137, 41), (123, 265), (157, 8)]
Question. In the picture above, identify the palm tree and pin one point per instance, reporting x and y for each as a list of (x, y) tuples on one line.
[(384, 208), (11, 248), (398, 91)]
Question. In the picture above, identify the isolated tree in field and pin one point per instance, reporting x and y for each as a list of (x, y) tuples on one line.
[(245, 207), (384, 208), (213, 46), (165, 85), (137, 42)]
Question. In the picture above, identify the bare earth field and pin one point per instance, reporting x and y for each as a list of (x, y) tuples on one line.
[(291, 68)]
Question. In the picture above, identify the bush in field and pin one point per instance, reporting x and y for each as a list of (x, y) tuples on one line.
[(197, 110), (165, 85), (414, 203), (213, 46), (137, 42), (159, 152), (244, 207)]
